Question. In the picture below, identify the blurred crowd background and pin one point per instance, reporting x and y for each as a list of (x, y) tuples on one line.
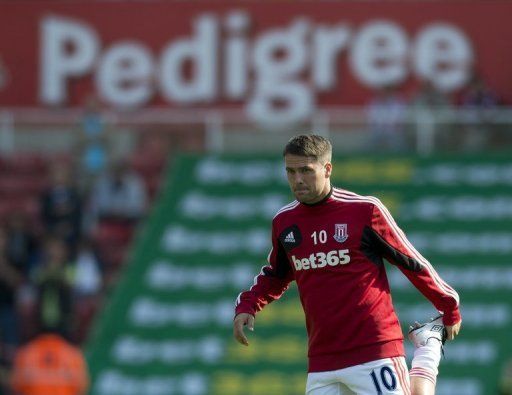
[(80, 171)]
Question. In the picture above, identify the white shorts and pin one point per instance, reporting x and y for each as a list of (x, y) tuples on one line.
[(381, 377)]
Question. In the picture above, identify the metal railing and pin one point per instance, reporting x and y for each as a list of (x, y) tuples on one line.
[(425, 130)]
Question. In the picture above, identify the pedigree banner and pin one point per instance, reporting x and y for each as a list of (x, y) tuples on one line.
[(278, 61)]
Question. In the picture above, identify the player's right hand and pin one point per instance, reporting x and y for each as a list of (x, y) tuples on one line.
[(453, 330), (241, 320)]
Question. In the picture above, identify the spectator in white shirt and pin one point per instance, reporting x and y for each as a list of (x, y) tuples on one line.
[(119, 195), (386, 116)]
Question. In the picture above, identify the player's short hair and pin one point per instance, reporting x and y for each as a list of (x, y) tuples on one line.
[(310, 145)]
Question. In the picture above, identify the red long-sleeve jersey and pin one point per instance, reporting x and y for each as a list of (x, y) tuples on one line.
[(334, 250)]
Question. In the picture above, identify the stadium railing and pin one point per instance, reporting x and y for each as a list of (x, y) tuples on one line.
[(424, 131)]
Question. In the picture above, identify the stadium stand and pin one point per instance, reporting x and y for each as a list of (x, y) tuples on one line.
[(24, 178)]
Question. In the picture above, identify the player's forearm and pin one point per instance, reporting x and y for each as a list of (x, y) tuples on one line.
[(452, 317), (245, 303), (262, 293), (442, 296)]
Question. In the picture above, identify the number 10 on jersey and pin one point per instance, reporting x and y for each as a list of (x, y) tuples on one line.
[(319, 237)]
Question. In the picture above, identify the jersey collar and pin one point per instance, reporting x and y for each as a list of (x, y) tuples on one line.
[(321, 201)]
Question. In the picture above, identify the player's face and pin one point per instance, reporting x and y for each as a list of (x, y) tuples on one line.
[(308, 178)]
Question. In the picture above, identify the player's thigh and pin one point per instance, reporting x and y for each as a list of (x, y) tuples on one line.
[(326, 383), (387, 376)]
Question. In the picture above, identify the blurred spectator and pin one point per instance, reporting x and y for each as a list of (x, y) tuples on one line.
[(478, 95), (478, 99), (119, 195), (87, 288), (386, 118), (430, 98), (49, 364), (87, 271), (62, 206), (12, 277), (431, 108), (53, 280), (93, 147), (22, 245), (4, 75)]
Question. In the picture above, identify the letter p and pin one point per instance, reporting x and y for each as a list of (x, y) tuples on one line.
[(68, 49)]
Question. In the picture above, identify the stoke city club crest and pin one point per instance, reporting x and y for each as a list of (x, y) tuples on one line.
[(340, 233)]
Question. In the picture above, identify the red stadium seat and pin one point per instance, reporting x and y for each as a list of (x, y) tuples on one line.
[(25, 163), (4, 210), (26, 205), (113, 257), (147, 164), (22, 185), (153, 185), (113, 233)]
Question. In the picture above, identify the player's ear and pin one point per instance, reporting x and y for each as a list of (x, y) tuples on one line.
[(328, 169)]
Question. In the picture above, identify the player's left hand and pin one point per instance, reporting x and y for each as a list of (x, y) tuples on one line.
[(452, 330), (242, 320)]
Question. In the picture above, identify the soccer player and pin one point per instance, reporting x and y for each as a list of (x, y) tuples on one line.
[(333, 243)]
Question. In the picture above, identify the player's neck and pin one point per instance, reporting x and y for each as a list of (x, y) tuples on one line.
[(322, 198)]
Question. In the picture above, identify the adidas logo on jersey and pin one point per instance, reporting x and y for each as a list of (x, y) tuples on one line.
[(290, 238)]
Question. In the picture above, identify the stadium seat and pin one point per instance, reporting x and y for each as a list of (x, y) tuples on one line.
[(146, 164), (22, 185), (112, 232), (153, 185), (25, 163), (27, 205)]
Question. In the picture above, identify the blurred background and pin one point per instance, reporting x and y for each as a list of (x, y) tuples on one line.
[(140, 167)]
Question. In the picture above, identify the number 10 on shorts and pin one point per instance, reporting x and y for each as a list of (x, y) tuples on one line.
[(386, 378)]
